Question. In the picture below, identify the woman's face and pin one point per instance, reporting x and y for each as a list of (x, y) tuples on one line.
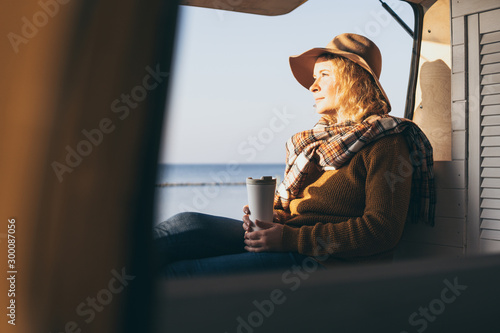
[(324, 88)]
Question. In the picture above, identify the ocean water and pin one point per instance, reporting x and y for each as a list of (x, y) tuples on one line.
[(216, 189)]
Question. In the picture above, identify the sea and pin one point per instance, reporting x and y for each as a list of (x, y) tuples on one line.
[(216, 189)]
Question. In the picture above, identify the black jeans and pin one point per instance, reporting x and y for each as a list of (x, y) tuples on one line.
[(194, 244)]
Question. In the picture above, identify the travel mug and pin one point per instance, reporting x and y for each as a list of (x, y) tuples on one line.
[(260, 199)]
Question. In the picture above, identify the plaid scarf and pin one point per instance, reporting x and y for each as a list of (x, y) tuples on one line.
[(331, 146)]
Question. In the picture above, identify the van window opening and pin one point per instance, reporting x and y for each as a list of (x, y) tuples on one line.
[(234, 101)]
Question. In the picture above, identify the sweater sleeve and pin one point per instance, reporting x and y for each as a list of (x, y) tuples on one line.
[(379, 229), (281, 216)]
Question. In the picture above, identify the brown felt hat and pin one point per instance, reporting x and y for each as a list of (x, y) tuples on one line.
[(354, 47)]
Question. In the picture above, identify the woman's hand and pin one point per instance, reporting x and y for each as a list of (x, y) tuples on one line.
[(276, 217), (268, 239)]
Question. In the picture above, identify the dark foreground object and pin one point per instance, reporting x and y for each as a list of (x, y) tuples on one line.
[(441, 295)]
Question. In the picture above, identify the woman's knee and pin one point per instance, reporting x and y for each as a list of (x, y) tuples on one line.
[(180, 222), (186, 217)]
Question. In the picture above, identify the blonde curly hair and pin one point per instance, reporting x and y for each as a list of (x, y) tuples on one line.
[(358, 95)]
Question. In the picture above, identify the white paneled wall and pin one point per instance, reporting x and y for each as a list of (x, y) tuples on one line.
[(476, 25), (468, 186), (447, 237), (489, 133)]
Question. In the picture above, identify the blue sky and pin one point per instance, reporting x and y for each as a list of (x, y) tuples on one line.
[(233, 97)]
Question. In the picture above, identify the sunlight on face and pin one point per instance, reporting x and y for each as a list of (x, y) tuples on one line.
[(323, 88)]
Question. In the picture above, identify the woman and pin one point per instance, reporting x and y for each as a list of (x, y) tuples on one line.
[(350, 183)]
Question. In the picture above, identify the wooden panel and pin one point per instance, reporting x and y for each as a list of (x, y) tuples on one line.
[(490, 100), (490, 246), (446, 231), (492, 37), (491, 162), (491, 203), (461, 7), (490, 141), (491, 214), (458, 145), (490, 48), (490, 130), (490, 234), (458, 86), (490, 224), (490, 58), (490, 110), (450, 203), (474, 148), (458, 115), (491, 182), (449, 174), (490, 172), (458, 31), (458, 58), (491, 151), (491, 89), (491, 193), (491, 120), (491, 69), (490, 79), (489, 21)]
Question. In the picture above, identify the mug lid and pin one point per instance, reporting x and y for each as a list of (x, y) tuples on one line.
[(265, 180)]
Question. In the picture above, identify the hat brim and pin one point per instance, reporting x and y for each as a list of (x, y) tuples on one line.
[(302, 66)]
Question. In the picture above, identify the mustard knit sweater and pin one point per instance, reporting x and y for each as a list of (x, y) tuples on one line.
[(356, 212)]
